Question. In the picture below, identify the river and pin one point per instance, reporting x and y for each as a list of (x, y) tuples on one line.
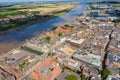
[(14, 39)]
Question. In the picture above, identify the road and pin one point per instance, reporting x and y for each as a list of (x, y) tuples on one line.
[(106, 50)]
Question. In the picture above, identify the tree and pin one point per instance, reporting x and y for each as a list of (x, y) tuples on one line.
[(116, 20), (105, 73), (60, 34), (49, 53), (72, 77), (54, 28), (83, 77), (48, 38)]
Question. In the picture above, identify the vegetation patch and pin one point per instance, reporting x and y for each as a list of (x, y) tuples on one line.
[(83, 77), (72, 77), (69, 26), (105, 73)]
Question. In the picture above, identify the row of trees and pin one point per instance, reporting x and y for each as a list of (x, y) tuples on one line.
[(13, 24), (104, 75)]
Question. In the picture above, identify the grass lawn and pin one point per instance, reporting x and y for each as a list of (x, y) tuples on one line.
[(72, 77), (31, 50)]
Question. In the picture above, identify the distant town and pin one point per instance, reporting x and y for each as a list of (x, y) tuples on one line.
[(86, 49)]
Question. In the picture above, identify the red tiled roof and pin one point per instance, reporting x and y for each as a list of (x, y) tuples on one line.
[(51, 75), (16, 73)]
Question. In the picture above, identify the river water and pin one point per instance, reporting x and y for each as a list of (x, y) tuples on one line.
[(14, 39)]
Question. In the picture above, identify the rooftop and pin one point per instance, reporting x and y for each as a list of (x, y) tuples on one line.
[(91, 59), (67, 61), (67, 50)]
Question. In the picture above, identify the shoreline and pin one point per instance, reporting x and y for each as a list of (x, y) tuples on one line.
[(24, 26)]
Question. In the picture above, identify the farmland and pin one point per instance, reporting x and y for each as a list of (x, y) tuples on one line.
[(48, 8), (15, 16)]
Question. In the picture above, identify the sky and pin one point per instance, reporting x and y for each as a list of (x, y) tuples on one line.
[(30, 0)]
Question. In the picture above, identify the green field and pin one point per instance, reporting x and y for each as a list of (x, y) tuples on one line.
[(32, 7), (8, 12), (4, 14)]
